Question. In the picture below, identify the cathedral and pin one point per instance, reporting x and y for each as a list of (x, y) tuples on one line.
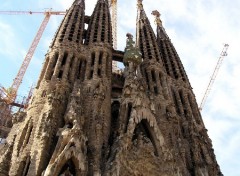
[(86, 120)]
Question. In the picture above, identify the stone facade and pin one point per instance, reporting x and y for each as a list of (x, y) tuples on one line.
[(84, 119), (5, 120)]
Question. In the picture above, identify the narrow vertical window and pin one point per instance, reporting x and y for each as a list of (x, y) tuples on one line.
[(161, 79), (83, 70), (55, 58), (99, 72), (153, 76), (100, 58), (107, 65), (70, 67), (26, 166), (147, 80), (91, 74), (28, 135), (64, 58), (176, 102), (92, 59), (92, 65), (60, 74), (194, 109), (114, 122), (79, 69), (155, 90), (183, 102)]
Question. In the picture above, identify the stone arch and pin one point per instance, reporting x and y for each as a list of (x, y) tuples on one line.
[(150, 123), (143, 129), (69, 156)]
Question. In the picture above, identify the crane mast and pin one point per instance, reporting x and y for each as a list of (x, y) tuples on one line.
[(113, 6), (18, 80), (213, 77), (11, 93)]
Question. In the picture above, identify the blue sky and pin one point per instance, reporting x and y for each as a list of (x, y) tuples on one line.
[(198, 30)]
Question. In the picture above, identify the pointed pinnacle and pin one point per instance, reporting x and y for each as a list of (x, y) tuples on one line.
[(157, 15), (139, 4)]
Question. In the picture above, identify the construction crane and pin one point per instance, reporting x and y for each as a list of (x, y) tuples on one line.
[(113, 6), (9, 95), (213, 77)]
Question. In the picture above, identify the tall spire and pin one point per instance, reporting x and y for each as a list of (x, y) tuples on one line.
[(161, 33), (79, 2), (100, 29), (72, 26), (171, 60), (146, 39)]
